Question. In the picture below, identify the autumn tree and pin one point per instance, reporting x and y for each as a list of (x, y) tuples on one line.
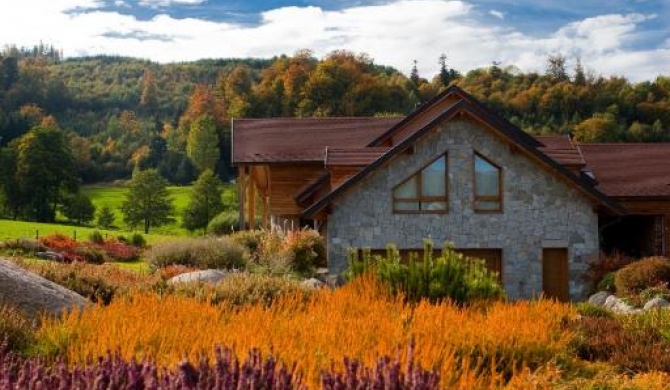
[(147, 201), (598, 128), (148, 97), (205, 202), (203, 143)]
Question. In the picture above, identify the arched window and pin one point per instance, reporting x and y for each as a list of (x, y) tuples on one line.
[(425, 191), (488, 185)]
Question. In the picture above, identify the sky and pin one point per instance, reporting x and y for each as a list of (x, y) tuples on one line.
[(629, 38)]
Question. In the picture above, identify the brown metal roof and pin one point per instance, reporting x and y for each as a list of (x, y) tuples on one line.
[(302, 139), (630, 169), (561, 149), (358, 157)]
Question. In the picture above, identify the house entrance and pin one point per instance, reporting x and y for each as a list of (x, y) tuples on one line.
[(635, 235)]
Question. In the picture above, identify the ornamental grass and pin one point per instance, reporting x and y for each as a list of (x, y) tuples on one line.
[(482, 347)]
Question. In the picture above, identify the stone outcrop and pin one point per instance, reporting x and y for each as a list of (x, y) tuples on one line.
[(33, 294), (212, 276), (618, 305)]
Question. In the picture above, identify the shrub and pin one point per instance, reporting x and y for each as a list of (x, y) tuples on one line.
[(607, 283), (91, 255), (201, 253), (137, 240), (120, 251), (250, 239), (225, 223), (449, 276), (308, 249), (20, 245), (16, 331), (591, 310), (96, 237), (637, 276), (606, 264), (244, 289)]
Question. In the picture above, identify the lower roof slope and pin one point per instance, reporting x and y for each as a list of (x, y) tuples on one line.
[(630, 169)]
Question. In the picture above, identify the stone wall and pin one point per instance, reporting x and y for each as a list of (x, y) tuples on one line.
[(540, 211)]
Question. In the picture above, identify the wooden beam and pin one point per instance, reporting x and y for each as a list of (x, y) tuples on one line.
[(666, 234), (241, 192), (252, 201)]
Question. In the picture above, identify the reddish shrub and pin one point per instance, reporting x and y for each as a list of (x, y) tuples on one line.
[(606, 264), (637, 276), (120, 251)]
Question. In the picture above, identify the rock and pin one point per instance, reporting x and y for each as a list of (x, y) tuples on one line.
[(656, 303), (312, 283), (599, 298), (206, 276), (33, 294), (611, 301), (49, 255)]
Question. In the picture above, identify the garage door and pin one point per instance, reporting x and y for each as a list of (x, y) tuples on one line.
[(555, 274)]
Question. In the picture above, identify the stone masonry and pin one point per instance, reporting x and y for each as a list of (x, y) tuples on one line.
[(539, 211)]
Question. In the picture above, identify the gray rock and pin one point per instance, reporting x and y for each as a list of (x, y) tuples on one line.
[(313, 283), (49, 255), (33, 294), (611, 301), (206, 276), (599, 298), (656, 303)]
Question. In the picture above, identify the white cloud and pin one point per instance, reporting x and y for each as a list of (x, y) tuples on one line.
[(497, 14), (121, 3), (394, 34), (167, 3)]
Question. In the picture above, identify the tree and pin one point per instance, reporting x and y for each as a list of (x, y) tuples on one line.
[(44, 169), (203, 143), (147, 201), (556, 68), (106, 217), (414, 74), (148, 98), (205, 202), (580, 76), (78, 208)]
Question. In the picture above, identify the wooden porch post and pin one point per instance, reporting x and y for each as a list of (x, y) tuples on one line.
[(252, 201), (241, 192), (666, 234)]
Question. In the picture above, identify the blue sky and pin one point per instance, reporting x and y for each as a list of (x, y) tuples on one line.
[(629, 38)]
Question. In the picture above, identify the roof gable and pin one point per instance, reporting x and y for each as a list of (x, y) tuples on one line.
[(465, 106)]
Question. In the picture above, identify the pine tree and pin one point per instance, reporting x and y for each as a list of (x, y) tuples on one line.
[(414, 74), (445, 78), (204, 203), (147, 201), (106, 217), (203, 143)]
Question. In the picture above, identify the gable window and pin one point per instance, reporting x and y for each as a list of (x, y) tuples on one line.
[(488, 185), (425, 191)]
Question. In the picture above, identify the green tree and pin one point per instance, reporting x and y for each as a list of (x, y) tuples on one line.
[(598, 128), (147, 201), (44, 170), (78, 208), (205, 202), (203, 143), (106, 217)]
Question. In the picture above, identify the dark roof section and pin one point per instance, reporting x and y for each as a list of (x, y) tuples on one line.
[(358, 157), (493, 118), (301, 139), (561, 149), (630, 169), (480, 112)]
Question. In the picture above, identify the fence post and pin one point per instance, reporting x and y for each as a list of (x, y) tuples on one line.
[(75, 235)]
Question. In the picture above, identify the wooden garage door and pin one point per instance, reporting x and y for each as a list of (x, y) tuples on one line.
[(555, 273)]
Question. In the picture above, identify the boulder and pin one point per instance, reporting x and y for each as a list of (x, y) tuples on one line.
[(599, 298), (33, 294), (656, 303), (212, 276), (313, 283), (49, 255), (611, 301)]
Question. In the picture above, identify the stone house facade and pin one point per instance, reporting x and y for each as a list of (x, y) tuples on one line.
[(452, 171)]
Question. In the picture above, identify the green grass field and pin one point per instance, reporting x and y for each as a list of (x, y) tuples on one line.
[(113, 196), (19, 229)]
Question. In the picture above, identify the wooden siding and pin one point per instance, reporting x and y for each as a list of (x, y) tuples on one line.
[(286, 182), (338, 175)]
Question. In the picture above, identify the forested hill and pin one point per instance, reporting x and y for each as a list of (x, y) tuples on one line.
[(122, 113)]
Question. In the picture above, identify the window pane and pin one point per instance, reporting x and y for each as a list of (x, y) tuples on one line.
[(408, 189), (433, 206), (407, 206), (487, 206), (487, 178), (433, 180)]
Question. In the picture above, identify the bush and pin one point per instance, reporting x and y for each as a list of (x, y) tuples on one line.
[(225, 223), (450, 276), (91, 255), (137, 240), (20, 245), (308, 249), (244, 289), (15, 328), (96, 237), (250, 239), (606, 264), (607, 283), (640, 275), (590, 310), (120, 251), (202, 253)]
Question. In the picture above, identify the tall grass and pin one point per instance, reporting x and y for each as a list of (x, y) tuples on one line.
[(470, 348)]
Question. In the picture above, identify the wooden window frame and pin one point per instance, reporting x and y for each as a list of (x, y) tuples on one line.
[(476, 198), (424, 199)]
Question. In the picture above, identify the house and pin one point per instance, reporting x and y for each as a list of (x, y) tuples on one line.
[(539, 210)]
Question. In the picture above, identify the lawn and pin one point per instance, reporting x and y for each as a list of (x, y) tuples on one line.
[(114, 196), (19, 229)]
